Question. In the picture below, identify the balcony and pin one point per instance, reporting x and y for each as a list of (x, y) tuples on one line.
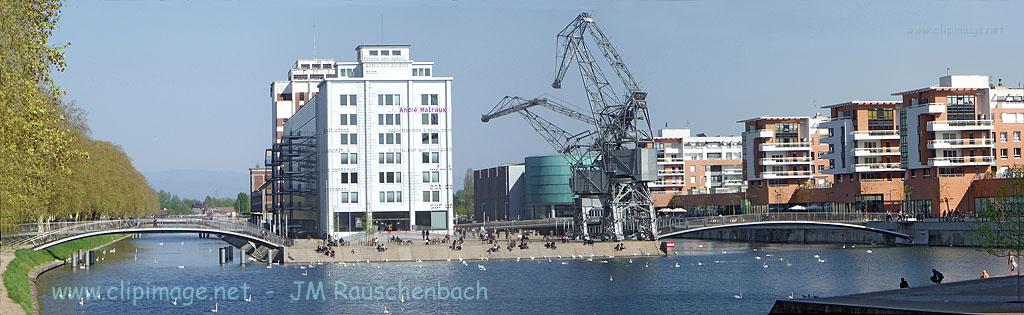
[(733, 182), (962, 161), (670, 161), (667, 184), (764, 133), (786, 146), (671, 172), (876, 167), (876, 135), (787, 174), (961, 143), (959, 125), (876, 151), (787, 160)]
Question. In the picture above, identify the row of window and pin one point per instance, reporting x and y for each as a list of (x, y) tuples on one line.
[(385, 52), (1016, 136), (396, 196), (421, 72), (384, 99), (1003, 153), (388, 119), (388, 177), (389, 158)]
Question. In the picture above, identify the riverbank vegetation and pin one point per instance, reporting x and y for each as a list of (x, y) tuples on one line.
[(51, 168), (16, 277)]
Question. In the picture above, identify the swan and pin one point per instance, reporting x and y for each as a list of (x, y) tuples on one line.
[(174, 302), (738, 296), (869, 251), (481, 267), (248, 298), (216, 308)]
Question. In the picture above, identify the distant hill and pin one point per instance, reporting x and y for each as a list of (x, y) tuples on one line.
[(197, 184)]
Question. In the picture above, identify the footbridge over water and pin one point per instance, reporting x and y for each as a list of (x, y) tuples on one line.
[(42, 236), (682, 226)]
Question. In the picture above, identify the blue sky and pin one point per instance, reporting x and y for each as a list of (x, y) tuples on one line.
[(185, 84)]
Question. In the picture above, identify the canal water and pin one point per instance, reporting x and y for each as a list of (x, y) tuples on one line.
[(164, 274)]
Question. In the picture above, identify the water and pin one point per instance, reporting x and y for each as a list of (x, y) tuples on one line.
[(706, 281)]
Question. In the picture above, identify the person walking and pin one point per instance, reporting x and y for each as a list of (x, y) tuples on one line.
[(936, 277), (904, 284), (1012, 261)]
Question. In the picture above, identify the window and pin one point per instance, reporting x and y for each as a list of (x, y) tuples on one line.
[(348, 197), (349, 138), (348, 178), (347, 100), (428, 99), (1016, 153), (385, 52), (347, 120), (348, 72), (284, 97), (431, 196), (389, 177), (1012, 118), (429, 138), (389, 158), (396, 52), (693, 179), (431, 157), (391, 196), (389, 138), (389, 119), (349, 158), (429, 119), (373, 53), (1003, 153), (1016, 136), (389, 99), (1002, 137), (431, 177)]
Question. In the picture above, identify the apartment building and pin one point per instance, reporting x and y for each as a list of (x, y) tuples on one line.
[(952, 134), (780, 155), (864, 154), (370, 145), (697, 164)]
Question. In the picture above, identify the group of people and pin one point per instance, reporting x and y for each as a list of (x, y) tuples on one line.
[(900, 216), (937, 276), (550, 245), (620, 247), (457, 244), (325, 250)]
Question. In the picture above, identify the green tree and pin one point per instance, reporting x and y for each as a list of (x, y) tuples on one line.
[(1002, 233), (242, 203), (34, 143)]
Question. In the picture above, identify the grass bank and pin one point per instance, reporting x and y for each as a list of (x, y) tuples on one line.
[(16, 277)]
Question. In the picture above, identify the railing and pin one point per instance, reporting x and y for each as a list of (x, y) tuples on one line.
[(876, 133), (986, 124), (786, 173), (799, 159), (939, 161), (672, 225), (962, 142), (885, 150), (785, 145), (877, 166), (51, 232)]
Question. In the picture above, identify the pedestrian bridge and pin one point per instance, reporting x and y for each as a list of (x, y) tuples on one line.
[(41, 236), (675, 227)]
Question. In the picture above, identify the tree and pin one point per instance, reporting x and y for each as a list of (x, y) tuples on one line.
[(464, 197), (1002, 233), (242, 204)]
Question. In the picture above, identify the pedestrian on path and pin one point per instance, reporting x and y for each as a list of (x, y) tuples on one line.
[(1012, 261), (903, 283), (936, 277)]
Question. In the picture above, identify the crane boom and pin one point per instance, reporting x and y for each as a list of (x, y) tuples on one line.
[(511, 104)]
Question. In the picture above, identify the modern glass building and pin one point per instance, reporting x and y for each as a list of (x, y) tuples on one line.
[(547, 187)]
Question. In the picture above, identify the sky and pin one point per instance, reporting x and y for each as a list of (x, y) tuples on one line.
[(184, 85)]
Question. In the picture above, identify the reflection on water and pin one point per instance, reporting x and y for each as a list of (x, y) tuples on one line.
[(704, 276)]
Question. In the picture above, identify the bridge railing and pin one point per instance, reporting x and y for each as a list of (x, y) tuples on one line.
[(669, 225), (47, 233)]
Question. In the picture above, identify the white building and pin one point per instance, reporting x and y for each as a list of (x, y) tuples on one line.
[(698, 164), (383, 140)]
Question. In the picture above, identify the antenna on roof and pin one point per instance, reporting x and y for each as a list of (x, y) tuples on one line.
[(947, 70), (381, 28), (314, 38)]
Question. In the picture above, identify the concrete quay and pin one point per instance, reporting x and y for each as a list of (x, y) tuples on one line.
[(304, 252), (982, 296)]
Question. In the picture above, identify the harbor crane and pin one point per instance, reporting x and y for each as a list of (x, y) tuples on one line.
[(614, 159)]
